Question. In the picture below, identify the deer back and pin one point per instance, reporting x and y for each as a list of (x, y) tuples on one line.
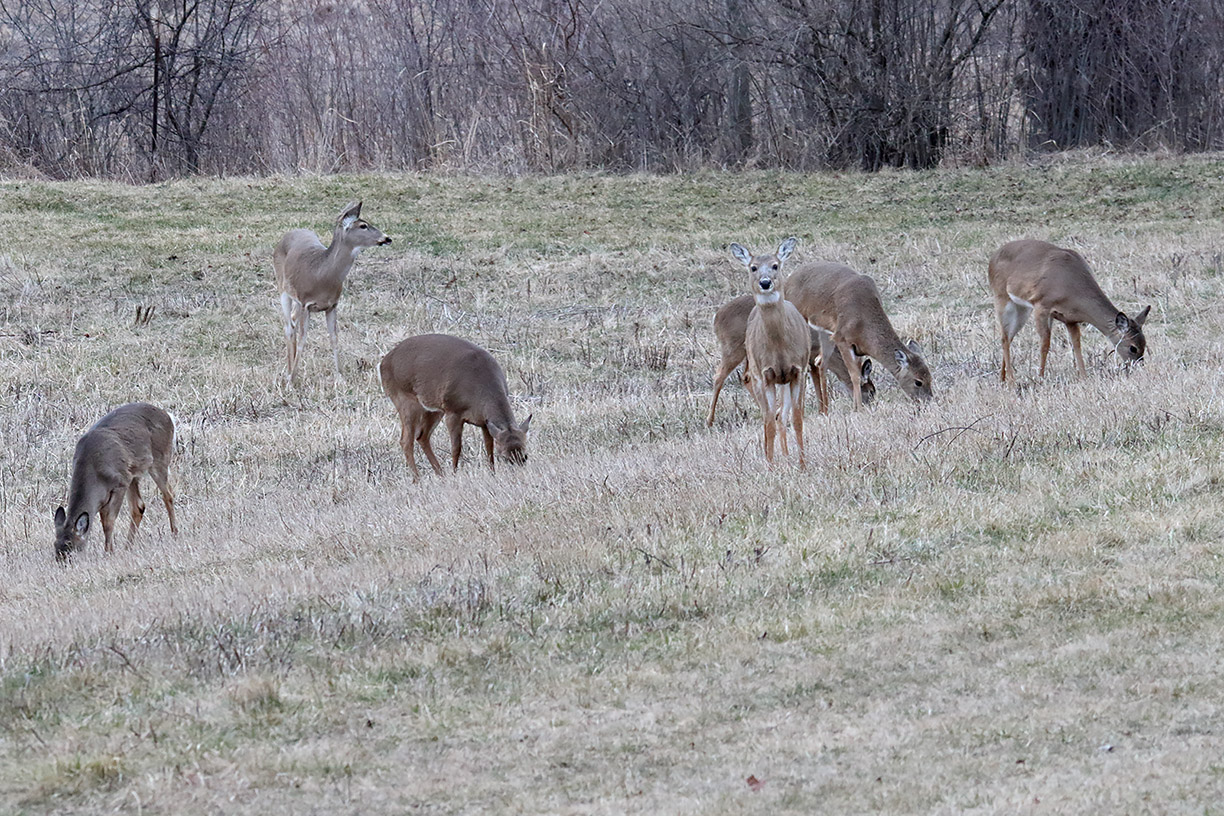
[(448, 374)]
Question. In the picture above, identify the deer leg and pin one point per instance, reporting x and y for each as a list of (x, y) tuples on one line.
[(407, 441), (410, 416), (783, 401), (720, 376), (330, 318), (161, 477), (107, 512), (301, 319), (287, 302), (771, 421), (454, 426), (136, 507), (488, 440), (797, 389), (757, 388), (1012, 316), (1073, 330), (853, 371), (429, 420), (1043, 319)]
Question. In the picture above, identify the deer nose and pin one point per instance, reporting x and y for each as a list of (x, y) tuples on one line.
[(385, 240), (766, 284)]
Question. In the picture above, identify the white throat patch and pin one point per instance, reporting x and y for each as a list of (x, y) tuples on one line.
[(766, 298)]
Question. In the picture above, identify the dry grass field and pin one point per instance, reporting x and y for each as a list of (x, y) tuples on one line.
[(1007, 602)]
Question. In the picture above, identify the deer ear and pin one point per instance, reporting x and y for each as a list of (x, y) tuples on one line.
[(1142, 317), (526, 422), (350, 215), (913, 347), (82, 523), (742, 255), (902, 358), (866, 368), (494, 428), (1122, 322), (60, 518), (788, 246)]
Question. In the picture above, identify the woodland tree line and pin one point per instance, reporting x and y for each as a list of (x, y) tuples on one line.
[(148, 89)]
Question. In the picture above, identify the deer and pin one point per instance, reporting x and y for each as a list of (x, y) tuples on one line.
[(730, 324), (834, 298), (310, 277), (131, 441), (1051, 283), (778, 347), (432, 376)]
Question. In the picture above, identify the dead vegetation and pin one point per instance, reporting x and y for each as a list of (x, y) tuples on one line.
[(1007, 601)]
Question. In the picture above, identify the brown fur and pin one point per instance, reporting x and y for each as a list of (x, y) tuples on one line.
[(310, 277), (432, 376), (1059, 286), (778, 347), (127, 443), (730, 325), (847, 304)]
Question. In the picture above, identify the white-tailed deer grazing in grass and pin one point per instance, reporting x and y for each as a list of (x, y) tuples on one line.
[(1051, 283), (730, 325), (310, 277), (127, 443), (778, 347), (432, 376), (838, 300)]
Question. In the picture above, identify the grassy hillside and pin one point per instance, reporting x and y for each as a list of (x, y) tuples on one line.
[(1005, 602)]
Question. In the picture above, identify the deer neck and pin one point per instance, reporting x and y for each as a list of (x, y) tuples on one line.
[(881, 343), (1101, 313), (338, 259), (773, 312)]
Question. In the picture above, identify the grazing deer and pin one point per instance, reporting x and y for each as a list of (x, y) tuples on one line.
[(730, 324), (838, 300), (434, 375), (1034, 277), (310, 277), (778, 346), (127, 443)]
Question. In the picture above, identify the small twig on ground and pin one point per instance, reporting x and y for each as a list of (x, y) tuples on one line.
[(960, 429)]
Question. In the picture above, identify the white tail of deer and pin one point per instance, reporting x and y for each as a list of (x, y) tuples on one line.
[(310, 277), (778, 346), (127, 443), (1051, 283), (838, 300), (730, 326), (432, 376)]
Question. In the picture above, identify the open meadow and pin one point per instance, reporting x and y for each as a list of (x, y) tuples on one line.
[(1005, 602)]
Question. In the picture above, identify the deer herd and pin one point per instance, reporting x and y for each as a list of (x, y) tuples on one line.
[(788, 328)]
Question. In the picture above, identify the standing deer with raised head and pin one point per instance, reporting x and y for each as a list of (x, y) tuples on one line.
[(1051, 283), (432, 376), (778, 346), (310, 277), (730, 325), (835, 298), (127, 443)]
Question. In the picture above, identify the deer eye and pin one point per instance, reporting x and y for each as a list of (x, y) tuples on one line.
[(365, 226), (754, 267), (1135, 350), (918, 383), (775, 267)]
